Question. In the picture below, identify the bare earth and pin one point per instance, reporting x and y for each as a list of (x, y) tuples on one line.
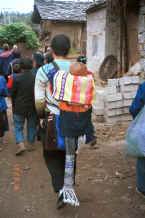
[(105, 182)]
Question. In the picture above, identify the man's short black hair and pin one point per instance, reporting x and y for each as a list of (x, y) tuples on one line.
[(61, 45), (16, 68), (26, 63)]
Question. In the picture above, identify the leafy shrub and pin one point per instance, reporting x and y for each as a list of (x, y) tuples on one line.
[(19, 32)]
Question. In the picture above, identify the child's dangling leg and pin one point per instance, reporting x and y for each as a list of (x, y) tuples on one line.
[(69, 195)]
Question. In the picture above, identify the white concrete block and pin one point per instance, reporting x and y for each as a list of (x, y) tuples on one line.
[(127, 102), (135, 79), (115, 104), (128, 88), (110, 90), (118, 118), (129, 95), (98, 111), (129, 80), (117, 111), (99, 104), (114, 97), (113, 82)]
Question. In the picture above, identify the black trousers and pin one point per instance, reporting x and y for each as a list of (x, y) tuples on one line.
[(55, 162)]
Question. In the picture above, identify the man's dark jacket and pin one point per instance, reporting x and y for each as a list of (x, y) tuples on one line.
[(22, 93)]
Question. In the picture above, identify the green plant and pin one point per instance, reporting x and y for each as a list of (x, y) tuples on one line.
[(19, 32)]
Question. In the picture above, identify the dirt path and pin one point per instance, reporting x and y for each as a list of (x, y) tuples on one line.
[(105, 183)]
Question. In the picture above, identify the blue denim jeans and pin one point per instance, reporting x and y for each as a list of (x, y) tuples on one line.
[(19, 121), (140, 173)]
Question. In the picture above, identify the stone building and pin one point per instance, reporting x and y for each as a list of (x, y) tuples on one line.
[(66, 17), (125, 40), (116, 27), (125, 32)]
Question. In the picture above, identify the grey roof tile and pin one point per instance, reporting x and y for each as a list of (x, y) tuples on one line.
[(62, 10)]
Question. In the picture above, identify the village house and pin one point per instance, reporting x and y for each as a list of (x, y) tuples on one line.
[(62, 17), (96, 27), (115, 32), (121, 35)]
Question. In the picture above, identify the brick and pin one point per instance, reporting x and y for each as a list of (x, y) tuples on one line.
[(125, 81), (110, 90), (117, 111), (135, 80), (129, 95), (115, 104), (128, 88), (127, 102), (113, 82), (114, 97), (118, 118), (129, 80)]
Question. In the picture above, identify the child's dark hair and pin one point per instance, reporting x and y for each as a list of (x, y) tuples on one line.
[(26, 63), (61, 45), (82, 59), (16, 68)]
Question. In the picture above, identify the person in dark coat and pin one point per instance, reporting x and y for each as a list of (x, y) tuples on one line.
[(22, 94), (5, 58), (16, 60), (136, 106)]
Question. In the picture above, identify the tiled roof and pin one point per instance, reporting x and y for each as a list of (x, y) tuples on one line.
[(99, 4), (62, 10)]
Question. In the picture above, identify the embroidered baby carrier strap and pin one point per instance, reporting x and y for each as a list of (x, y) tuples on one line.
[(73, 88)]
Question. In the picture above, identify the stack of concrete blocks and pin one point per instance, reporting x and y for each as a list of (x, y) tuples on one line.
[(118, 97), (98, 107)]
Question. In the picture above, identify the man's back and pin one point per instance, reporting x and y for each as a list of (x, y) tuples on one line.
[(23, 93)]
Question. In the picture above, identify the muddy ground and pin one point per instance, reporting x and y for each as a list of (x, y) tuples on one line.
[(105, 183)]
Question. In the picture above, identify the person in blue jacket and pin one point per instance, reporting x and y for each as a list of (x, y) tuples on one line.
[(3, 108), (137, 104)]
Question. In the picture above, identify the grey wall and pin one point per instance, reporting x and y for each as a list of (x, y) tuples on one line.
[(96, 24)]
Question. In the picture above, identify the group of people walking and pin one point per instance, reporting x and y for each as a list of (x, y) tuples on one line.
[(55, 97)]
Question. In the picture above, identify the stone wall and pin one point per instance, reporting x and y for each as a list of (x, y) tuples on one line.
[(96, 24), (75, 30)]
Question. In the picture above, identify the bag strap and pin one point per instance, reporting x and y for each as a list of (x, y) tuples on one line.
[(55, 65)]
